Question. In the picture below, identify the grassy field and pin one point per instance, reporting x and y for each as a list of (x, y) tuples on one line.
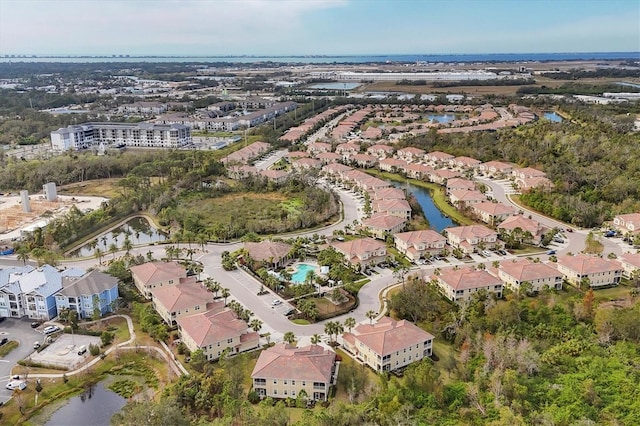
[(8, 347), (98, 188)]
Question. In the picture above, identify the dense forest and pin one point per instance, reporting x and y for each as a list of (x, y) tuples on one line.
[(595, 168)]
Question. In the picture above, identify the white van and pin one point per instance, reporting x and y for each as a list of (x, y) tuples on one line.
[(82, 349)]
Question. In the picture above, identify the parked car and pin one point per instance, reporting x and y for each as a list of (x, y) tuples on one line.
[(35, 324), (3, 341), (276, 302), (610, 234), (51, 329), (82, 350), (551, 252), (36, 345), (16, 384), (486, 253)]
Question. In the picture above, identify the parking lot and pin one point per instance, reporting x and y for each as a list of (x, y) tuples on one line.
[(19, 330), (63, 352)]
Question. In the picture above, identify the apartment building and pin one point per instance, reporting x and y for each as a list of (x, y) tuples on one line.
[(418, 244), (150, 275), (389, 344), (630, 264), (285, 371), (362, 251), (468, 238), (538, 275), (598, 272), (147, 135), (459, 285), (382, 224), (176, 301), (94, 292)]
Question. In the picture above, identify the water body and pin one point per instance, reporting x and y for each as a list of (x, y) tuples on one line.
[(552, 116), (301, 273), (622, 83), (437, 220), (94, 407), (142, 232), (324, 59), (335, 86), (442, 118)]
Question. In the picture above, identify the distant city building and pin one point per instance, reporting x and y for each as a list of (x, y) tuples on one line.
[(120, 134)]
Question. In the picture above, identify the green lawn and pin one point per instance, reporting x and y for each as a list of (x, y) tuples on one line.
[(8, 347)]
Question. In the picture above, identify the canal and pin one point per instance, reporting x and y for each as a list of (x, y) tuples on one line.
[(437, 220)]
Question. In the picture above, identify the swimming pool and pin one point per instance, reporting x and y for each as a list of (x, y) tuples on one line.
[(301, 272)]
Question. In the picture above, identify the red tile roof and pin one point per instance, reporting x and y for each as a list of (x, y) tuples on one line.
[(311, 363), (155, 272), (388, 336)]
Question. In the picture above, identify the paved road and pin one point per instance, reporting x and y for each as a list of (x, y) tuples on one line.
[(20, 330)]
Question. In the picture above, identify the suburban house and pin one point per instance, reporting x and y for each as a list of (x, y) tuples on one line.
[(388, 194), (418, 244), (392, 165), (630, 264), (215, 330), (410, 154), (380, 150), (319, 147), (464, 163), (440, 176), (627, 223), (468, 238), (492, 213), (92, 293), (596, 271), (388, 344), (438, 157), (496, 168), (417, 170), (459, 184), (519, 223), (285, 371), (150, 275), (270, 254), (362, 251), (466, 198), (329, 157), (363, 160), (398, 207), (176, 301), (461, 284), (539, 275), (382, 224)]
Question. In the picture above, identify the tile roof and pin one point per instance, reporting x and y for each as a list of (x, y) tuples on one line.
[(471, 231), (389, 194), (427, 236), (388, 336), (155, 272), (519, 221), (358, 246), (467, 278), (585, 264), (383, 221), (494, 208), (632, 259), (182, 296), (526, 270), (283, 361), (266, 250), (212, 326)]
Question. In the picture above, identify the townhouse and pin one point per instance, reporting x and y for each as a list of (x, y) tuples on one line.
[(497, 169), (441, 176), (329, 157), (472, 238), (459, 184), (531, 230), (382, 224), (492, 213), (186, 298), (388, 344), (246, 154), (410, 154), (388, 194), (392, 165), (380, 150), (438, 157), (276, 176), (362, 252), (417, 170), (419, 244), (630, 264), (464, 163), (215, 331), (466, 198), (459, 285), (538, 275), (583, 269), (318, 147), (398, 207), (307, 164), (92, 294), (285, 371), (363, 160), (627, 223), (151, 275)]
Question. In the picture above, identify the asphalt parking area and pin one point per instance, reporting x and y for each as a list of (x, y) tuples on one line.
[(63, 352)]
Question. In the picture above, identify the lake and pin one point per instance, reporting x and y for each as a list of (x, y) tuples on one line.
[(437, 220), (552, 116), (93, 407), (335, 86), (442, 118), (142, 232)]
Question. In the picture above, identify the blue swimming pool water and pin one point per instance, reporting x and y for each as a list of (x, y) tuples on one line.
[(301, 273)]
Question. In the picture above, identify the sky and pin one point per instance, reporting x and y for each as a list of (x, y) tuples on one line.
[(317, 27)]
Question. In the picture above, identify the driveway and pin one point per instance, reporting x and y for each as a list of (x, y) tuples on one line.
[(20, 330)]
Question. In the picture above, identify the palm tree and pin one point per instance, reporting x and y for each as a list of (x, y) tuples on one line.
[(97, 253), (113, 249), (289, 337), (149, 255), (169, 251), (371, 315), (23, 254), (225, 294), (315, 339), (255, 324), (349, 323), (127, 245)]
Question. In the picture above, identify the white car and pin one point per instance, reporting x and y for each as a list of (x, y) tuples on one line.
[(16, 384), (276, 302), (51, 329)]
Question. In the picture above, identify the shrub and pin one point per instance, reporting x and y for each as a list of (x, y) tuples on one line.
[(94, 349), (106, 338), (253, 397)]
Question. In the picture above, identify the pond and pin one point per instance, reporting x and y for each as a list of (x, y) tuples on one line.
[(552, 116), (437, 220), (441, 118), (335, 86), (95, 406), (139, 229)]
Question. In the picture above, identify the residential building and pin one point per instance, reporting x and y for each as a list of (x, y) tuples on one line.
[(410, 154), (186, 298), (492, 213), (382, 224), (438, 157), (532, 230), (538, 275), (362, 251), (398, 207), (469, 238), (627, 223), (417, 170), (246, 154), (441, 176), (285, 371), (150, 275), (596, 271), (148, 135), (215, 331), (464, 163), (388, 194), (496, 168), (459, 184), (392, 165), (419, 244), (630, 264), (381, 151), (88, 295), (465, 198), (270, 254), (388, 344), (460, 285)]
